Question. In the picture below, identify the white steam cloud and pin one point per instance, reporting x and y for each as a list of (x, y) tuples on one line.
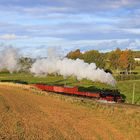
[(67, 67), (55, 64), (9, 59)]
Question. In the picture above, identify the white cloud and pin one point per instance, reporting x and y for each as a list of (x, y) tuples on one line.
[(8, 36), (38, 49), (133, 31), (12, 37)]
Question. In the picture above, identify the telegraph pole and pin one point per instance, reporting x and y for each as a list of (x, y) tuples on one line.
[(133, 96)]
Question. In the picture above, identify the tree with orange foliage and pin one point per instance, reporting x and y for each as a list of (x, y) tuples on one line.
[(123, 60), (126, 60), (74, 54)]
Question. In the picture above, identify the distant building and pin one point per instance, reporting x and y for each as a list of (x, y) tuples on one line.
[(137, 59)]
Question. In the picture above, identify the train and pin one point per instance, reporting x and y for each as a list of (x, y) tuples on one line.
[(105, 95), (102, 95)]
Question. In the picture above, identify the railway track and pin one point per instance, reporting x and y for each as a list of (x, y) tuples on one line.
[(87, 99)]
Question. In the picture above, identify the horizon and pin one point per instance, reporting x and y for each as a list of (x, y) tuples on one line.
[(102, 25)]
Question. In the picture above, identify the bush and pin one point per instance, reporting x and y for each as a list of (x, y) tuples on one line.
[(127, 77), (123, 72), (108, 71)]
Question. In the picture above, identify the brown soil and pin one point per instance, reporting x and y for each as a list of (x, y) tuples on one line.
[(25, 115)]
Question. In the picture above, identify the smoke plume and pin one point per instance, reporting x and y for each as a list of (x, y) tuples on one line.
[(67, 67), (9, 59)]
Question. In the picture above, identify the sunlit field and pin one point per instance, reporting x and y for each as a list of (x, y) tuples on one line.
[(31, 114)]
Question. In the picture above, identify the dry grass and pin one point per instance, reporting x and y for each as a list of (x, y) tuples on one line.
[(25, 115)]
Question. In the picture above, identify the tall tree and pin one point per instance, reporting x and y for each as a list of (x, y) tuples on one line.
[(131, 61), (126, 60), (123, 60), (74, 54), (25, 63), (94, 56), (114, 58)]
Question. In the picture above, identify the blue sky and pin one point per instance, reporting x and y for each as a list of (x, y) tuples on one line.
[(34, 25)]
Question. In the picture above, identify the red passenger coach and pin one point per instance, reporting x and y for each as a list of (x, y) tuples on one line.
[(67, 90), (49, 88), (44, 87), (58, 89), (70, 90), (88, 94)]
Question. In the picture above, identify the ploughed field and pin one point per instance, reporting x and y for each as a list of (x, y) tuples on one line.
[(31, 114)]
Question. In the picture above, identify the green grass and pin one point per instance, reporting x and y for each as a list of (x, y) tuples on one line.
[(125, 87), (137, 69)]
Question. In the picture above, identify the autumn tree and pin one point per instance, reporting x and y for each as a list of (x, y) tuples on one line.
[(123, 60), (113, 58), (94, 56), (126, 60), (74, 54)]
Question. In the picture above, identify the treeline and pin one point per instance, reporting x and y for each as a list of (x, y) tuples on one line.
[(136, 54), (89, 57), (115, 60), (119, 60)]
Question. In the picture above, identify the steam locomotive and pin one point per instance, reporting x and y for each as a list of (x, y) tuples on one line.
[(107, 95)]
